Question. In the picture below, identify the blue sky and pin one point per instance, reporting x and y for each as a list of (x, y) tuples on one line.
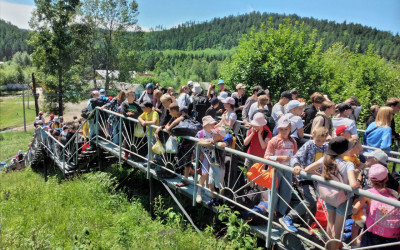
[(382, 14)]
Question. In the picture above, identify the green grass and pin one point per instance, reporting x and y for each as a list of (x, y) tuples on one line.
[(84, 213), (11, 112), (11, 142)]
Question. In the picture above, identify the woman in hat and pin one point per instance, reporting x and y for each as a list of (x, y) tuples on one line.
[(333, 164)]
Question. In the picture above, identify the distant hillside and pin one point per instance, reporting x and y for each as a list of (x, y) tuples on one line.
[(12, 40), (223, 33)]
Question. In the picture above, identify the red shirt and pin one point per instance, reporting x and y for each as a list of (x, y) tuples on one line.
[(255, 146)]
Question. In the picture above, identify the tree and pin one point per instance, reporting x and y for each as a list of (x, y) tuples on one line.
[(53, 42), (108, 22)]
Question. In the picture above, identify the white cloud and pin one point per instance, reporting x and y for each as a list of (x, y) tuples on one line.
[(17, 14)]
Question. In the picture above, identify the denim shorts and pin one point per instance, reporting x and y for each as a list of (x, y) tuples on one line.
[(341, 209)]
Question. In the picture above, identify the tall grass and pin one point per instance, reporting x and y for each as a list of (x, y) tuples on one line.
[(83, 214), (11, 142), (12, 114)]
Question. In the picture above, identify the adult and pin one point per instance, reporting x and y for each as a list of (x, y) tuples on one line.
[(278, 109), (356, 107), (343, 119), (294, 93), (199, 104), (252, 99), (379, 132), (229, 116), (222, 88), (102, 92), (183, 98), (394, 103), (240, 99), (190, 86), (116, 106), (214, 109), (323, 118), (374, 111), (147, 95), (211, 93), (171, 92), (312, 109), (166, 101), (157, 101), (40, 117)]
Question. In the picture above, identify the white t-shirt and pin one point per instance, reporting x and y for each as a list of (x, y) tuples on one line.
[(295, 121), (183, 100), (231, 116), (277, 110), (253, 109)]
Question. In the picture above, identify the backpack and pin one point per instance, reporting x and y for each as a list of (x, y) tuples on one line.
[(200, 106), (251, 218), (308, 126), (333, 195), (248, 197), (85, 113), (98, 102), (186, 127)]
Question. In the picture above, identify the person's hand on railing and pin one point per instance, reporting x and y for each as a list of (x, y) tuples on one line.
[(297, 170)]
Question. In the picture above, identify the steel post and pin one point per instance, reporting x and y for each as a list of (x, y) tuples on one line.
[(149, 131), (120, 140), (271, 207), (197, 164)]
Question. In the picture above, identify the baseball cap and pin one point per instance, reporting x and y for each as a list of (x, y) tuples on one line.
[(342, 128), (149, 85), (219, 131), (208, 120), (52, 116), (190, 83), (343, 107), (338, 146), (223, 95), (286, 94), (240, 86), (294, 104), (377, 172), (214, 101), (378, 154), (283, 122), (102, 91), (229, 100), (220, 81)]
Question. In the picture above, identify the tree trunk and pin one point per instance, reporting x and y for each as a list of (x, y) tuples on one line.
[(60, 93), (36, 96)]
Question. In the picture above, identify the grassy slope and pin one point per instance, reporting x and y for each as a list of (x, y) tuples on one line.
[(83, 213), (11, 142), (11, 112)]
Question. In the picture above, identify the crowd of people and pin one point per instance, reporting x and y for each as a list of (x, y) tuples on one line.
[(275, 132)]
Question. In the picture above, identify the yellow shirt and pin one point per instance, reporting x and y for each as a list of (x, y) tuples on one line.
[(85, 130), (152, 116)]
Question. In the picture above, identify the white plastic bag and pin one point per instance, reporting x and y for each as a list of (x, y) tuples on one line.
[(139, 131), (171, 147)]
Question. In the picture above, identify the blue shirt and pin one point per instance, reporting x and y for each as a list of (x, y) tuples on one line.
[(381, 137)]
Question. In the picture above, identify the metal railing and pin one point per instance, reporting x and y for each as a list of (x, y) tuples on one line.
[(173, 165)]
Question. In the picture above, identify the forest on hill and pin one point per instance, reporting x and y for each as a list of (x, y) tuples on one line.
[(12, 40), (224, 33)]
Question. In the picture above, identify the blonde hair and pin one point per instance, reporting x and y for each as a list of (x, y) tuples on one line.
[(320, 132), (384, 117), (263, 100), (165, 98)]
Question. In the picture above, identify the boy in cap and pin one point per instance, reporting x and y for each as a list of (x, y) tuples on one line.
[(345, 131), (342, 118), (221, 138), (205, 135)]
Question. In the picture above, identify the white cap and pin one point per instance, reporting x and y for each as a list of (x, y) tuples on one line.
[(223, 95), (379, 155), (190, 83), (197, 88), (294, 104), (229, 100)]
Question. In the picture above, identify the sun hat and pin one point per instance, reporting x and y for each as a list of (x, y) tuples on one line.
[(294, 104), (229, 100), (221, 82), (258, 120), (338, 146), (342, 128), (208, 120), (378, 154), (197, 88), (149, 86), (283, 122), (223, 95), (343, 107), (190, 83), (240, 86), (378, 172), (286, 94), (102, 91), (219, 131)]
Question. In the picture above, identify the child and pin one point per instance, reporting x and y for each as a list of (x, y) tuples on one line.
[(280, 149), (345, 131), (257, 138), (386, 230), (214, 109), (221, 138), (310, 152), (333, 164), (205, 135), (229, 117), (353, 155), (129, 108)]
